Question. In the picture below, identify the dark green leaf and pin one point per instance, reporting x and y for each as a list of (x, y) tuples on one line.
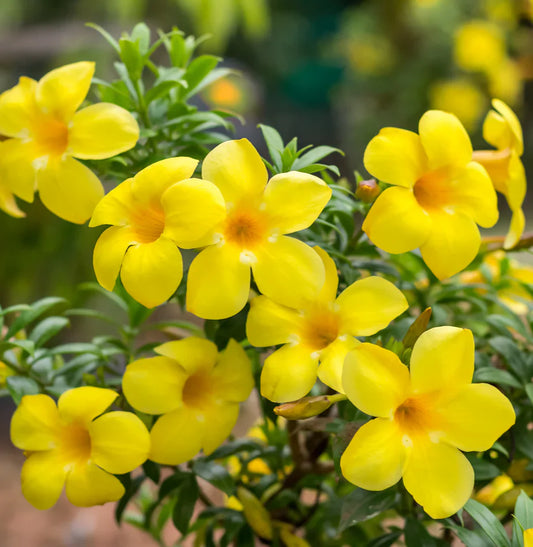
[(468, 537), (186, 500), (47, 328), (511, 354), (493, 375), (234, 447), (361, 505), (416, 535), (216, 474), (36, 310), (488, 522), (131, 57), (523, 514), (18, 386), (198, 70), (314, 155)]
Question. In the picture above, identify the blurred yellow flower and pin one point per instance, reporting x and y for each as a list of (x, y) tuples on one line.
[(425, 417), (369, 54), (47, 134), (506, 82), (492, 491), (153, 213), (479, 46), (252, 235), (438, 197), (528, 537), (318, 336), (74, 445), (197, 391), (502, 130), (5, 371)]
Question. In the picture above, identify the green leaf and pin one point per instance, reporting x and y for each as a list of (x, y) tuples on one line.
[(529, 391), (131, 57), (152, 470), (27, 345), (36, 310), (131, 487), (483, 469), (416, 535), (496, 376), (110, 40), (215, 474), (234, 447), (18, 386), (47, 328), (386, 540), (141, 35), (361, 505), (274, 144), (488, 522), (511, 354), (160, 90), (184, 508), (469, 537), (315, 155), (523, 513), (198, 70)]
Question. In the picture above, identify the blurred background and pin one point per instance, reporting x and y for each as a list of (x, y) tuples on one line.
[(328, 72)]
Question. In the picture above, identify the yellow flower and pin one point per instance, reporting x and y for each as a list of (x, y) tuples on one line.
[(252, 235), (152, 213), (528, 537), (506, 81), (492, 491), (5, 371), (424, 419), (47, 134), (479, 46), (68, 447), (503, 131), (438, 196), (318, 336), (197, 391)]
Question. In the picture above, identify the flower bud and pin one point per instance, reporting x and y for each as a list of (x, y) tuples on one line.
[(367, 190), (307, 407)]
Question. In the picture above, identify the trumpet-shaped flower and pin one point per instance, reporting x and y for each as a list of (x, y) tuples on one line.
[(438, 194), (76, 446), (318, 336), (252, 235), (425, 417), (47, 133), (196, 389), (502, 129), (153, 213)]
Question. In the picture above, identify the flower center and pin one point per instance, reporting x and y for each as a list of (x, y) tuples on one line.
[(415, 415), (245, 228), (74, 443), (198, 390), (433, 190), (321, 328), (50, 136), (148, 223)]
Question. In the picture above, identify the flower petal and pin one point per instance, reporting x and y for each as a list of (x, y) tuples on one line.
[(120, 442), (34, 423), (232, 376), (69, 189), (42, 479), (62, 90), (442, 358), (220, 419), (294, 200), (375, 380), (16, 169), (288, 374), (177, 437), (452, 243), (236, 168), (375, 457), (476, 417), (289, 271), (100, 131), (444, 139), (84, 404), (193, 207), (439, 477), (329, 289), (192, 353), (516, 229), (218, 284), (151, 272), (395, 156), (89, 485), (115, 207), (8, 203), (396, 223), (369, 305), (332, 362), (270, 324), (18, 109), (502, 128), (154, 385), (516, 183)]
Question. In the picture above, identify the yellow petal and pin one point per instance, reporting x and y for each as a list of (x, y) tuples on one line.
[(193, 207), (100, 131), (177, 437), (395, 156), (115, 207), (34, 423), (83, 404), (8, 203), (18, 109), (289, 271), (439, 477), (369, 305), (236, 168), (476, 417), (396, 222), (120, 442), (502, 128), (42, 479), (16, 169), (375, 380), (332, 362), (62, 90), (516, 229), (89, 485), (218, 284), (270, 324), (149, 184), (154, 385), (516, 183), (232, 376), (294, 200), (328, 292), (69, 189), (444, 139), (151, 272), (375, 457), (452, 243), (442, 359), (528, 537), (288, 374), (220, 420), (192, 353)]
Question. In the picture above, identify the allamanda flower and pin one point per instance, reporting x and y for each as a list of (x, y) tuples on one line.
[(502, 129), (153, 213), (319, 334), (47, 134), (196, 389), (75, 445), (252, 235), (424, 419), (438, 193)]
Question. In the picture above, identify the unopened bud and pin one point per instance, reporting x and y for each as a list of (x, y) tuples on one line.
[(417, 328), (255, 514), (367, 190), (492, 491), (307, 407)]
